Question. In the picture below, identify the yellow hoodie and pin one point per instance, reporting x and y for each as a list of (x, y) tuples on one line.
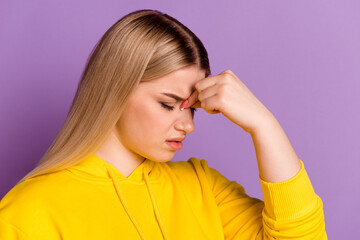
[(172, 200)]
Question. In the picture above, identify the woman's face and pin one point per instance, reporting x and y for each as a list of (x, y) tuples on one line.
[(151, 117)]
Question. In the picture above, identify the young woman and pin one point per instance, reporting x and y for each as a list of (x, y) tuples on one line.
[(108, 173)]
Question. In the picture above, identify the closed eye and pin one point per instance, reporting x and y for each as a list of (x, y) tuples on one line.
[(170, 108)]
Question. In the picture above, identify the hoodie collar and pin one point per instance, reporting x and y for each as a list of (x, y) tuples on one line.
[(96, 168)]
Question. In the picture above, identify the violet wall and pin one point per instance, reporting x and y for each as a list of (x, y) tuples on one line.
[(300, 58)]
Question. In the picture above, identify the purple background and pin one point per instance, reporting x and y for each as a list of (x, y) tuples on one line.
[(300, 58)]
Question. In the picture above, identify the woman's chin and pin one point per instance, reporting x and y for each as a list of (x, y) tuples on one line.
[(163, 158)]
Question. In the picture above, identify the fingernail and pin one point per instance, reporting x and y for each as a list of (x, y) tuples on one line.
[(183, 104)]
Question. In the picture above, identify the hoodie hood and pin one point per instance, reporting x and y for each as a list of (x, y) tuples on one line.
[(95, 168)]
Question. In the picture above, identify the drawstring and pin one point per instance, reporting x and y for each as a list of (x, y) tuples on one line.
[(123, 202), (132, 218), (155, 206)]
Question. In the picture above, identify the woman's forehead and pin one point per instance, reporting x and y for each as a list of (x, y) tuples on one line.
[(170, 85), (180, 82)]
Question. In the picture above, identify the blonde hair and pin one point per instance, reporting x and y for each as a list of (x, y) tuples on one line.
[(141, 46)]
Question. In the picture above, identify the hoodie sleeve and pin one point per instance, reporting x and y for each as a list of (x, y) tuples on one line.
[(290, 210), (10, 232)]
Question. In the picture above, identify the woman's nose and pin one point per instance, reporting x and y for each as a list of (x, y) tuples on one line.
[(185, 122)]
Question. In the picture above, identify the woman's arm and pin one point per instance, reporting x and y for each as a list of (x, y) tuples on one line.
[(225, 93), (291, 208), (277, 159)]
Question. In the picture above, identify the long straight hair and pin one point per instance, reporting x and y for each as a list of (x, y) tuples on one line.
[(141, 46)]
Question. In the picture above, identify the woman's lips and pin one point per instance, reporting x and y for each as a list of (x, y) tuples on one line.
[(177, 139), (175, 145)]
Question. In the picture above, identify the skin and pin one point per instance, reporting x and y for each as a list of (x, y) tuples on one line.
[(145, 125), (225, 93)]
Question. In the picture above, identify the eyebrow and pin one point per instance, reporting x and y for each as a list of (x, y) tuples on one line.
[(176, 97)]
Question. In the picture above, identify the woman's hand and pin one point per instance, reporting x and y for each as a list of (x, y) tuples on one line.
[(225, 93)]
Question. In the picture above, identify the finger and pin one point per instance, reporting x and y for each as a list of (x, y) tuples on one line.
[(206, 82), (190, 101), (202, 84), (197, 104), (210, 105), (208, 92)]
